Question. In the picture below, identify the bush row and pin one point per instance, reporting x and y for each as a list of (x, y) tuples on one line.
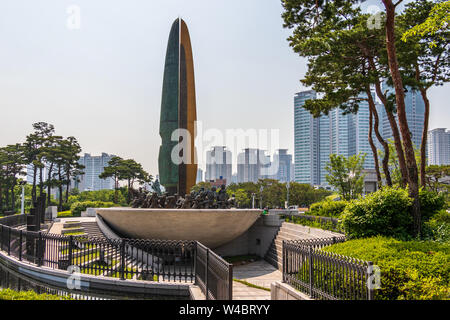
[(78, 207), (412, 270)]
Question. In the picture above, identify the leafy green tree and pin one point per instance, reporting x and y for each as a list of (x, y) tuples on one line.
[(33, 148), (346, 175), (125, 170), (12, 164), (114, 170), (436, 24), (423, 65), (201, 184)]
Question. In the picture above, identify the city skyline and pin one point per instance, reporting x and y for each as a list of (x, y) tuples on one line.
[(107, 75)]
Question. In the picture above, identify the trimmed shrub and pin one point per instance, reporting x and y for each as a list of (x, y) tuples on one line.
[(384, 212), (8, 294), (430, 203), (438, 227), (327, 208), (412, 270), (78, 207), (64, 214)]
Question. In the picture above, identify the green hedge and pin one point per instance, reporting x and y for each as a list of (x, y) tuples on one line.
[(438, 227), (8, 294), (387, 212), (328, 208), (412, 270), (78, 207)]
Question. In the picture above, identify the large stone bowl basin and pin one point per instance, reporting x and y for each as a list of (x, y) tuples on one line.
[(212, 227)]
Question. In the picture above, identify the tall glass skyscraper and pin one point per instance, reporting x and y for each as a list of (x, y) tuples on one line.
[(335, 133), (307, 137), (415, 115)]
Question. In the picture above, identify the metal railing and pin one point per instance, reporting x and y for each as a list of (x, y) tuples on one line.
[(325, 275), (151, 260), (14, 220), (213, 274)]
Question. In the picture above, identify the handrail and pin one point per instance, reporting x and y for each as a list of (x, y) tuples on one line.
[(138, 259)]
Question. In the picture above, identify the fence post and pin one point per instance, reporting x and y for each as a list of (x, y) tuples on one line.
[(206, 274), (9, 241), (195, 262), (369, 283), (311, 273), (20, 245), (230, 281), (70, 250), (283, 252), (39, 250), (122, 260)]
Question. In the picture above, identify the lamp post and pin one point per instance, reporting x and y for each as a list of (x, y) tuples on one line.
[(253, 200), (260, 196), (22, 206), (287, 196)]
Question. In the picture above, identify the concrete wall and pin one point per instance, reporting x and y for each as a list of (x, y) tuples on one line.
[(283, 291), (59, 278), (255, 241)]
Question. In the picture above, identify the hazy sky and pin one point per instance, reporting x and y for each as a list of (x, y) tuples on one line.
[(102, 83)]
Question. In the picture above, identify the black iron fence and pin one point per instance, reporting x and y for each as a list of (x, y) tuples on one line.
[(151, 260), (325, 275), (14, 220), (214, 275)]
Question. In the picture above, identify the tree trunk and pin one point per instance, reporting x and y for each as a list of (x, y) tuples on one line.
[(1, 197), (383, 142), (401, 112), (49, 187), (33, 191), (13, 199), (60, 189), (7, 198), (395, 131), (423, 92), (67, 186), (116, 187), (423, 179), (41, 182), (374, 150)]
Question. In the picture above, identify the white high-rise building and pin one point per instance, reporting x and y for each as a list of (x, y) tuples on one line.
[(94, 166), (252, 165), (439, 147), (218, 164)]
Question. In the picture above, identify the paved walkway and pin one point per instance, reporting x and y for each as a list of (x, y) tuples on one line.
[(259, 273)]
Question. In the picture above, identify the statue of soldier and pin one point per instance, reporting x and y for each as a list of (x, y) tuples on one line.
[(210, 199), (162, 200), (187, 203), (232, 203), (171, 201), (154, 203), (156, 187), (199, 198), (139, 198), (222, 198)]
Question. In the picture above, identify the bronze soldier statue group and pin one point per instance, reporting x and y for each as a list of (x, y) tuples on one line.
[(203, 199)]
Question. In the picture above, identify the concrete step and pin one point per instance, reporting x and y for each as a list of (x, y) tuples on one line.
[(276, 263), (72, 225)]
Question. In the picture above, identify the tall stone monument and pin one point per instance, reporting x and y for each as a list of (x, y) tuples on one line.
[(178, 111)]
